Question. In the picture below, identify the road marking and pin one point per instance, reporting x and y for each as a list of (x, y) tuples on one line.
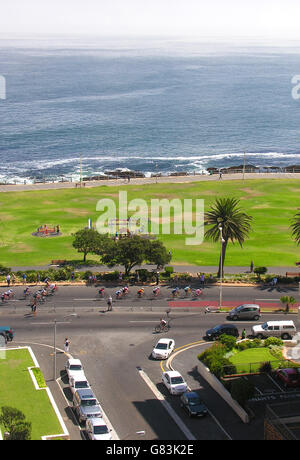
[(167, 406), (143, 321)]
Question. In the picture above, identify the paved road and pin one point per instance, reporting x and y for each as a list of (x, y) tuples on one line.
[(114, 345)]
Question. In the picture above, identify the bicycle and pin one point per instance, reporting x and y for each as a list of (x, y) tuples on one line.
[(162, 327)]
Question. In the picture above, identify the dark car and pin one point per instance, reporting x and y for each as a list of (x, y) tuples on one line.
[(289, 377), (7, 333), (215, 332), (191, 402)]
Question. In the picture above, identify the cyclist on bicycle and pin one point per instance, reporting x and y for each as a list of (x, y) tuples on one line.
[(140, 292), (163, 323), (156, 290), (125, 290), (187, 290), (175, 291), (198, 292), (101, 292), (118, 294)]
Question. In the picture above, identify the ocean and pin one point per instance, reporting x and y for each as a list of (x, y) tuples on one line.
[(151, 105)]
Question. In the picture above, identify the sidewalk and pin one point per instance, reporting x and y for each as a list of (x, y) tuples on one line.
[(177, 268)]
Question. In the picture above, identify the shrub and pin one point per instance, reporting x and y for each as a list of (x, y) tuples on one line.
[(260, 271), (265, 367), (228, 341), (273, 341), (242, 390), (168, 271)]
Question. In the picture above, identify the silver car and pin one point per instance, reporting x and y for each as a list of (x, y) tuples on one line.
[(245, 311)]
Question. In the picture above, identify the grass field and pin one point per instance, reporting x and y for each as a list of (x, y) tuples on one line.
[(250, 360), (271, 203), (17, 390)]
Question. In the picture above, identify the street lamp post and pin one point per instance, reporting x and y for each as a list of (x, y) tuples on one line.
[(221, 266)]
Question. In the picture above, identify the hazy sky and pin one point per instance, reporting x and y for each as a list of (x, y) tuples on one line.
[(248, 18)]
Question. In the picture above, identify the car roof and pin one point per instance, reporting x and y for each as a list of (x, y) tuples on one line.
[(191, 394), (173, 373), (290, 370), (79, 376), (274, 323), (165, 340), (86, 393), (74, 361), (248, 305), (97, 421)]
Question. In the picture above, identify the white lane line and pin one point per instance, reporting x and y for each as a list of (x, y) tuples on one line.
[(143, 321), (167, 406)]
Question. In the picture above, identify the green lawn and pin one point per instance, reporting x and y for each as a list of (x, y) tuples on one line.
[(272, 203), (17, 390), (251, 359)]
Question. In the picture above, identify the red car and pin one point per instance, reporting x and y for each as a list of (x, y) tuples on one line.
[(289, 377)]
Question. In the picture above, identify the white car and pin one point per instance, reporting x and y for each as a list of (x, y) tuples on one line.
[(79, 382), (163, 349), (174, 382), (73, 367), (97, 430)]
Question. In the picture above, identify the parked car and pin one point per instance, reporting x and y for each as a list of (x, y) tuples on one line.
[(283, 329), (174, 382), (86, 405), (97, 430), (215, 332), (7, 332), (245, 311), (192, 404), (163, 348), (73, 367), (79, 382), (289, 377)]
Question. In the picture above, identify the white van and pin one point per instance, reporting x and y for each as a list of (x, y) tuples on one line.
[(283, 329)]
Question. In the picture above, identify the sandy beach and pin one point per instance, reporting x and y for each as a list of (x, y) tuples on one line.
[(146, 180)]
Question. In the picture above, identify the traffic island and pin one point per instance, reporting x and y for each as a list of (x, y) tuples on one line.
[(21, 389)]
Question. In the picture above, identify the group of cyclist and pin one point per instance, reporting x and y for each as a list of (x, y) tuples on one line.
[(40, 295), (187, 290)]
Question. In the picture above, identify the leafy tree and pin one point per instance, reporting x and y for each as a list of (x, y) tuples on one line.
[(157, 254), (235, 223), (133, 251), (128, 252), (295, 227), (14, 422), (89, 241), (260, 271)]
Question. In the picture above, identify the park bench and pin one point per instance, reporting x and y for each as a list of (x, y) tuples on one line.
[(291, 274), (58, 262)]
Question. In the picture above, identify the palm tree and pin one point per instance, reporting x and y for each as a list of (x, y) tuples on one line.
[(296, 227), (235, 223), (287, 301)]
